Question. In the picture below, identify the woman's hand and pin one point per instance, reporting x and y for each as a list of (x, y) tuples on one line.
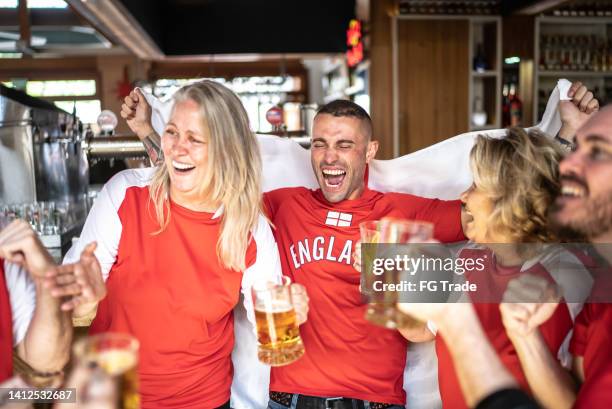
[(82, 281), (137, 113)]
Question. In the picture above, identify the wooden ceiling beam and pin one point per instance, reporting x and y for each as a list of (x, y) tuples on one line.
[(110, 16), (530, 7), (41, 17), (25, 30)]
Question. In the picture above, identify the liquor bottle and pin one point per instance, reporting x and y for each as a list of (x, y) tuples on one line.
[(505, 107), (516, 107), (480, 64)]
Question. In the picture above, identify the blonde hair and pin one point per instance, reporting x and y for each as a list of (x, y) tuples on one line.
[(520, 173), (233, 170)]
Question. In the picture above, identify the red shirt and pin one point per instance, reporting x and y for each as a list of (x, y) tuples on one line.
[(596, 392), (6, 329), (592, 337), (170, 291), (592, 340), (554, 331), (345, 354)]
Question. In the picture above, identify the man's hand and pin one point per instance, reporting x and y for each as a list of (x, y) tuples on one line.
[(576, 112), (299, 299), (20, 244), (529, 301), (357, 257), (82, 281), (429, 311), (94, 389), (137, 113)]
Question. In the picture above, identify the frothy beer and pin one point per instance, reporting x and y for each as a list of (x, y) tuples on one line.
[(122, 366), (278, 334)]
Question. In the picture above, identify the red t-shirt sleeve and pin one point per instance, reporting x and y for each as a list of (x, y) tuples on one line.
[(444, 214), (273, 199)]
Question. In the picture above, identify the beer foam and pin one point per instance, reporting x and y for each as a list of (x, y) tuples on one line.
[(275, 306), (115, 361)]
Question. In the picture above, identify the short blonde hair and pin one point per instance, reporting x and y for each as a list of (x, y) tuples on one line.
[(233, 174), (520, 173)]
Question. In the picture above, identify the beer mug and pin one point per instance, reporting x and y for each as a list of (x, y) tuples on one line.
[(117, 355), (278, 334), (382, 308)]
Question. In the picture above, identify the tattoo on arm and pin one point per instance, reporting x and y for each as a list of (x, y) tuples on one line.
[(152, 143)]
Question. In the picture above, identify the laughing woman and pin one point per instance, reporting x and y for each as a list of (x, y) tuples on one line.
[(516, 180), (177, 245)]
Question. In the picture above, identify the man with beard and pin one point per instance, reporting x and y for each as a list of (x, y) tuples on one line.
[(584, 209)]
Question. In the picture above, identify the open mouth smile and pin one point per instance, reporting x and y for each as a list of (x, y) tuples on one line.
[(181, 167), (333, 177)]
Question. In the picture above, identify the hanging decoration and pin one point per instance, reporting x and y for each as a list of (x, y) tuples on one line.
[(354, 54), (124, 86)]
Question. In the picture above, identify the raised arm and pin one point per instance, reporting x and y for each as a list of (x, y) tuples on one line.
[(137, 113), (577, 111), (46, 344), (530, 301)]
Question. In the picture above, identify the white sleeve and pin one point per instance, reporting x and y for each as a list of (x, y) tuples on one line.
[(251, 381), (421, 376), (22, 294), (102, 226)]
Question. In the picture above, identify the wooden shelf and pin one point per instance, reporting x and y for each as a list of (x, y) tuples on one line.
[(483, 128), (485, 74), (583, 74), (575, 20)]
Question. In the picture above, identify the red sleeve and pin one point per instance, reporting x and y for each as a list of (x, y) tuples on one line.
[(581, 326), (444, 214), (555, 330)]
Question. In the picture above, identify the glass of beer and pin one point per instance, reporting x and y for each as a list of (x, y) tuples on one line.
[(382, 308), (117, 355), (278, 334)]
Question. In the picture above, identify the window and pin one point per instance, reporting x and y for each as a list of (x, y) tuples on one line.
[(35, 4), (258, 94), (86, 110), (70, 95), (61, 88)]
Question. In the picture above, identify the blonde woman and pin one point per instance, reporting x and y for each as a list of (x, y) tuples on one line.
[(177, 245), (516, 180)]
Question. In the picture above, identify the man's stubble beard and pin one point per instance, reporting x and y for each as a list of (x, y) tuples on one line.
[(596, 222)]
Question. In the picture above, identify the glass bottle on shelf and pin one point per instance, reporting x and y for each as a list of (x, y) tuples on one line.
[(573, 53), (556, 54), (480, 64), (544, 54), (505, 107), (516, 107), (604, 55), (479, 116)]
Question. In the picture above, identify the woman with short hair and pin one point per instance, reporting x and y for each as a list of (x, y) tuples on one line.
[(516, 180)]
